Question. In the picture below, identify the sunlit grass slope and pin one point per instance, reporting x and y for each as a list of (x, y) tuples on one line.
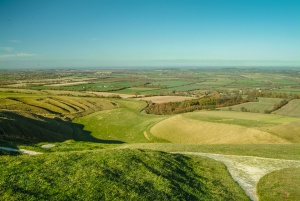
[(261, 106), (290, 109), (53, 105), (277, 151), (115, 175), (280, 185), (227, 127), (32, 118), (126, 123)]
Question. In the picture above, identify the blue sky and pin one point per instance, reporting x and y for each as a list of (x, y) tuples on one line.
[(104, 33)]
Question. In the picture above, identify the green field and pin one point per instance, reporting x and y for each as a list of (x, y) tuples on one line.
[(227, 127), (291, 109), (126, 123), (280, 185), (261, 106)]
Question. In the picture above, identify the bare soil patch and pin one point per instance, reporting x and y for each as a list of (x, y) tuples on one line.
[(66, 84), (165, 99), (108, 94)]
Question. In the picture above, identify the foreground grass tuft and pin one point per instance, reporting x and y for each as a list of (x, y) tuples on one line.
[(280, 185), (115, 175)]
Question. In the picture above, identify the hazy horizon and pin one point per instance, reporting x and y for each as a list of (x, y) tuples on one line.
[(132, 33)]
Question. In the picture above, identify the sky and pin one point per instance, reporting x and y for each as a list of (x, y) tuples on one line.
[(120, 33)]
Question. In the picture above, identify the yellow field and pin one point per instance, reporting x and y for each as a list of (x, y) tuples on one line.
[(210, 127), (166, 99)]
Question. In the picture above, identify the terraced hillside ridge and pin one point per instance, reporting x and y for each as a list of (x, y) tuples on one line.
[(37, 118), (53, 105), (290, 109), (225, 127)]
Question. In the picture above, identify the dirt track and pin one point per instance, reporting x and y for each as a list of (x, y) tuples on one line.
[(24, 151), (248, 170)]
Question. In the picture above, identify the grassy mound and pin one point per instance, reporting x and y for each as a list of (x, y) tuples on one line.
[(280, 185), (126, 123), (227, 127), (115, 175)]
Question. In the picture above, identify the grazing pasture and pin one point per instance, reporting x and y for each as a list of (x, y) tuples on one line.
[(222, 127), (261, 106), (290, 109), (280, 185), (125, 123)]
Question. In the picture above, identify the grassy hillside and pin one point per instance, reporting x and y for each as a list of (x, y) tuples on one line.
[(227, 127), (126, 123), (280, 185), (25, 128), (290, 109), (53, 105), (261, 106), (115, 175), (32, 118)]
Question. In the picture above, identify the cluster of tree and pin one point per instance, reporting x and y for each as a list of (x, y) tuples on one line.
[(277, 106), (207, 103)]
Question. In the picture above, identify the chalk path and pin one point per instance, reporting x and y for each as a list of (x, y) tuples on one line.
[(24, 151), (248, 170)]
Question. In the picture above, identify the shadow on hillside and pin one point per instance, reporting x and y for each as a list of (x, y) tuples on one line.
[(25, 128)]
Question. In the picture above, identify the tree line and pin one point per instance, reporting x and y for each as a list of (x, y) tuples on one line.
[(208, 103)]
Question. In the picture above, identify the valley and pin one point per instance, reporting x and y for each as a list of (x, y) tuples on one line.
[(124, 134)]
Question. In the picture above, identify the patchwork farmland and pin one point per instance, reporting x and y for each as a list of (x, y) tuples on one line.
[(93, 128)]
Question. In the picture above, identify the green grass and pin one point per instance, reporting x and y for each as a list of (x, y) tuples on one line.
[(37, 118), (115, 175), (68, 145), (280, 185), (280, 151), (246, 119), (101, 86), (56, 105), (228, 127), (290, 109), (260, 107), (126, 123)]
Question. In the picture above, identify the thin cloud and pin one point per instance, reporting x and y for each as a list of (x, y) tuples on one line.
[(14, 41), (92, 39), (7, 49), (16, 55)]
